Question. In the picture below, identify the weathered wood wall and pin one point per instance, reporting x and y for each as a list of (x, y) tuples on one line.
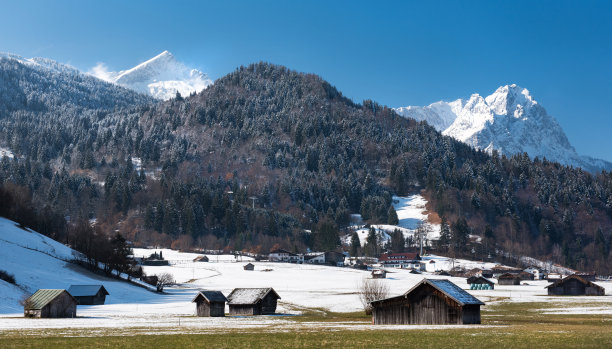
[(214, 309), (254, 309), (268, 304), (62, 306)]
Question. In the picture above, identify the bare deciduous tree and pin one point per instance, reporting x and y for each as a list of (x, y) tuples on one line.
[(164, 280), (371, 290)]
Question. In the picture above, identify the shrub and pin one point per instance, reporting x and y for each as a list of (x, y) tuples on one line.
[(10, 278)]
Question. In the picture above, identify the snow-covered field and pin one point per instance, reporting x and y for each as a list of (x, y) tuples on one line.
[(39, 262)]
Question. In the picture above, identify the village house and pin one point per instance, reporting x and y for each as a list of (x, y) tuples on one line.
[(88, 294), (252, 301), (431, 301), (574, 285), (49, 303), (480, 283), (332, 258), (280, 255), (407, 260), (509, 279), (210, 303)]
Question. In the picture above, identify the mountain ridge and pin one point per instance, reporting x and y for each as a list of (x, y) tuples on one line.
[(161, 77), (509, 121)]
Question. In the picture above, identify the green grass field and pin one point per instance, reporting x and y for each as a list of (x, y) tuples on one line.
[(508, 325)]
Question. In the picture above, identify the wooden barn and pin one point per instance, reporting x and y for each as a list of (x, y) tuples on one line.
[(249, 266), (429, 302), (574, 285), (252, 301), (47, 303), (480, 283), (509, 279), (379, 274), (210, 303), (88, 294), (201, 259)]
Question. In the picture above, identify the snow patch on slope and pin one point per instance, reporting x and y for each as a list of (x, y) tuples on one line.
[(510, 121), (37, 262), (161, 77)]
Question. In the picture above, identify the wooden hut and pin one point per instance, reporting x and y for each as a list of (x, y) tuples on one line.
[(574, 285), (428, 302), (379, 274), (480, 283), (210, 303), (252, 301), (48, 303), (509, 279), (201, 259), (249, 266), (88, 294), (524, 275)]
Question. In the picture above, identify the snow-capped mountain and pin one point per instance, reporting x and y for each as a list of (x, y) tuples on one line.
[(509, 121), (161, 77)]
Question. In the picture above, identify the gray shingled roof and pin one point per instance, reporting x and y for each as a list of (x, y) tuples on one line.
[(453, 291), (86, 290), (249, 295), (211, 296), (41, 298)]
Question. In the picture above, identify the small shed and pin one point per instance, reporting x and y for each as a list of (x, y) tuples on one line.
[(249, 266), (210, 303), (50, 303), (509, 279), (88, 294), (201, 259), (428, 302), (379, 274), (574, 285), (480, 283), (252, 301), (524, 275)]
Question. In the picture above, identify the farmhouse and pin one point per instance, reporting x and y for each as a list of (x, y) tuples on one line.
[(280, 255), (509, 279), (252, 301), (431, 301), (401, 260), (480, 283), (574, 285), (249, 266), (47, 303), (210, 303), (88, 294)]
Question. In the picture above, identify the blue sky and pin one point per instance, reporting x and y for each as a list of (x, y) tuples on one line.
[(397, 53)]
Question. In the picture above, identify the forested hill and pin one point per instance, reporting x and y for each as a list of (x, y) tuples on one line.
[(265, 153)]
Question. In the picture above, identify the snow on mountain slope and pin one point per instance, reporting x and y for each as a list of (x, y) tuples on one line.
[(161, 77), (37, 261), (411, 212), (509, 121)]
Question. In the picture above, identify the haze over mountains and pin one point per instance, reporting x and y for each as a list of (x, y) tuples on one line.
[(161, 77), (510, 121)]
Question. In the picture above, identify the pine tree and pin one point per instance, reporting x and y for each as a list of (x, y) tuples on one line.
[(392, 216)]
